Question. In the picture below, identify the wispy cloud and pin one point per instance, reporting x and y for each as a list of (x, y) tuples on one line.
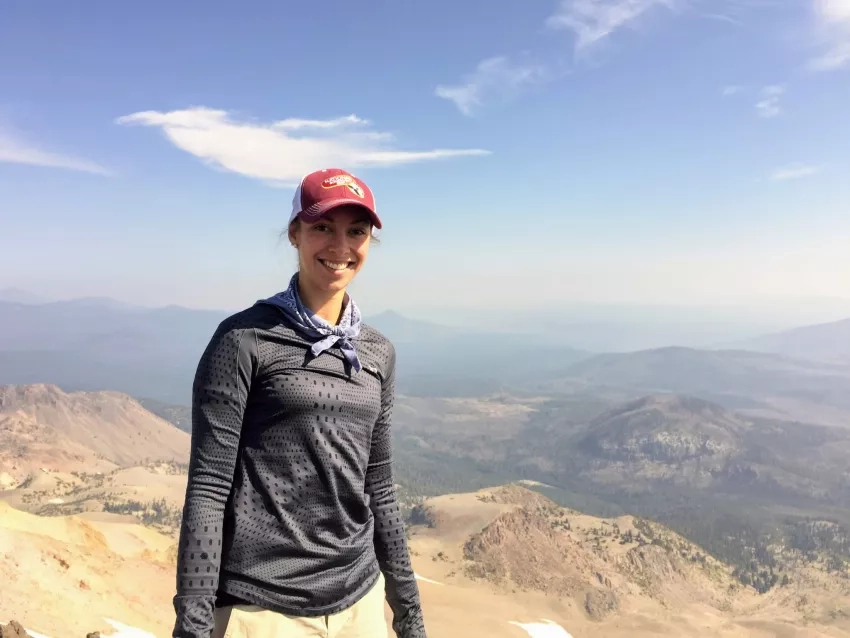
[(768, 106), (283, 151), (15, 150), (833, 26), (495, 78), (723, 17), (294, 123), (591, 21), (594, 20), (730, 90), (794, 171)]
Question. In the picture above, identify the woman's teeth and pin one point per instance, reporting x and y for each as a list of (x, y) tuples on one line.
[(334, 265)]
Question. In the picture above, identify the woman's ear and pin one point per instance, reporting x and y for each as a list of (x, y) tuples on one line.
[(294, 227)]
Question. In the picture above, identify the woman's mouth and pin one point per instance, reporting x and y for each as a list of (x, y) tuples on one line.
[(336, 266)]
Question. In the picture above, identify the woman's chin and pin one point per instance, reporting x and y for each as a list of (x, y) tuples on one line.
[(331, 284)]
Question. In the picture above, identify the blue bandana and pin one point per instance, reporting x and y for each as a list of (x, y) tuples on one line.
[(323, 334)]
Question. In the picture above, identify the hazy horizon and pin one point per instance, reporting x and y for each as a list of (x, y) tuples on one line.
[(831, 308), (590, 327), (547, 157)]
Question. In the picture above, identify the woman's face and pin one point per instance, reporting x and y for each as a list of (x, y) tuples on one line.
[(333, 249)]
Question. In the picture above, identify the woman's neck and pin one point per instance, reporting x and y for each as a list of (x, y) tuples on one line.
[(327, 305)]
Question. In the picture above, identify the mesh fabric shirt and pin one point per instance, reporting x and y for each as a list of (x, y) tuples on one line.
[(290, 503)]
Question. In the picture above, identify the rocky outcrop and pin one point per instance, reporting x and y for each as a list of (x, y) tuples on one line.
[(523, 549), (13, 630), (539, 546), (599, 603)]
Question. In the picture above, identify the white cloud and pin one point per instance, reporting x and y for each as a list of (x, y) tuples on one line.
[(14, 150), (834, 10), (283, 151), (731, 90), (294, 123), (794, 171), (833, 25), (594, 20), (493, 78), (768, 106), (837, 57)]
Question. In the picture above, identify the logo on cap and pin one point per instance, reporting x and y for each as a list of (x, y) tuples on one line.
[(344, 180)]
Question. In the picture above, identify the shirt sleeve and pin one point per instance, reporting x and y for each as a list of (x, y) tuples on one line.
[(219, 393), (390, 541)]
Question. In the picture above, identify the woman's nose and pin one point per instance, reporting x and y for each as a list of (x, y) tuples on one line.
[(339, 242)]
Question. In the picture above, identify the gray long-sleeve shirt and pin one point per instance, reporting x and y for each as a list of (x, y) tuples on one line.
[(290, 502)]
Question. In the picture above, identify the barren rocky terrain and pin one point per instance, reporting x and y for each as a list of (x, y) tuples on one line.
[(43, 427), (88, 520), (503, 562), (614, 577)]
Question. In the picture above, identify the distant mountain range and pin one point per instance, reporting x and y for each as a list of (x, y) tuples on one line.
[(17, 295), (97, 344), (735, 378), (94, 344), (826, 342)]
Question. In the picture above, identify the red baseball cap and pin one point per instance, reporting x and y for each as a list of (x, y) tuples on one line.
[(322, 190)]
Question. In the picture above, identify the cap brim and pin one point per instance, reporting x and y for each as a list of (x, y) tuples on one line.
[(312, 213)]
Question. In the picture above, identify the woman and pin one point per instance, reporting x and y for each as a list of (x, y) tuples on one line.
[(291, 526)]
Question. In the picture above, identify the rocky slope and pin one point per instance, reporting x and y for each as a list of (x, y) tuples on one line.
[(43, 427), (151, 494), (622, 576), (64, 576), (501, 563), (540, 546)]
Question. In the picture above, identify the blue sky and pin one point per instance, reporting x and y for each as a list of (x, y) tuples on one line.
[(523, 153)]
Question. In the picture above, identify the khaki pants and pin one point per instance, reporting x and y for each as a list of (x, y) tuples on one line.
[(364, 619)]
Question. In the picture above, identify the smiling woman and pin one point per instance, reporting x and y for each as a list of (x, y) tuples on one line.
[(291, 525), (331, 233)]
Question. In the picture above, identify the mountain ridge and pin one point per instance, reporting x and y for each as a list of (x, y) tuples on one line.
[(104, 429), (735, 378), (828, 341)]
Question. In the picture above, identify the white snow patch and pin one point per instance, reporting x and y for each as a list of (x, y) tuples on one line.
[(125, 631), (427, 580), (546, 629), (56, 501)]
